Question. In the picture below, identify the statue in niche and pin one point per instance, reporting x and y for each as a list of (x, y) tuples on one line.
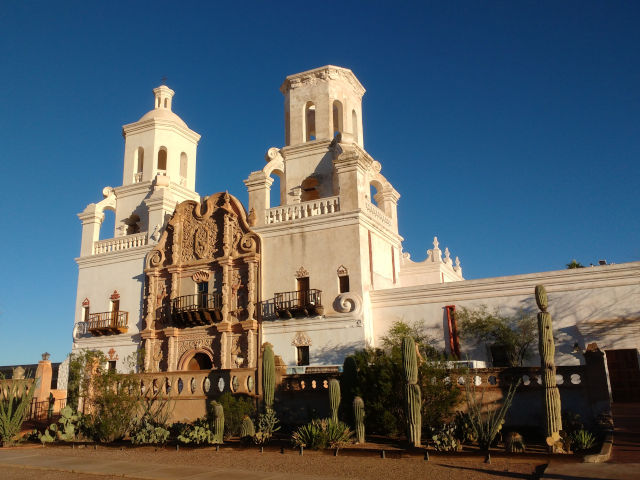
[(131, 223)]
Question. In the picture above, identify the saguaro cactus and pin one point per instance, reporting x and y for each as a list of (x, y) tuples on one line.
[(412, 395), (349, 387), (547, 349), (334, 398), (358, 417), (268, 375), (218, 422)]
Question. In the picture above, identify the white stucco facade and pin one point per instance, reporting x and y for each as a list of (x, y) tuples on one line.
[(333, 274)]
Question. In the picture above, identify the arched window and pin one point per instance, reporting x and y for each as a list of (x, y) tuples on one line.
[(200, 361), (374, 188), (183, 166), (310, 121), (162, 160), (354, 123), (138, 164), (337, 117), (276, 194), (310, 189)]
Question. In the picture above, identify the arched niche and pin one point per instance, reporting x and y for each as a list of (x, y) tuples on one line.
[(309, 121)]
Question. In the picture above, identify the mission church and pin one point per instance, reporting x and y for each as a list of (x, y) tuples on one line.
[(316, 269)]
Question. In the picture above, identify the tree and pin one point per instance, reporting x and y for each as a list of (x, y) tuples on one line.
[(574, 264), (380, 382), (514, 335)]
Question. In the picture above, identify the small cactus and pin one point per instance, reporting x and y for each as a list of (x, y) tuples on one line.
[(268, 375), (218, 422), (358, 416), (334, 398), (247, 429), (412, 394)]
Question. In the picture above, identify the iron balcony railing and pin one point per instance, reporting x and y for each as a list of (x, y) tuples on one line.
[(106, 323), (300, 303), (196, 309)]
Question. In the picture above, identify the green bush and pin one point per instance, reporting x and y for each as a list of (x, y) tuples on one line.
[(236, 407), (197, 433), (267, 426), (379, 382), (322, 433), (66, 429)]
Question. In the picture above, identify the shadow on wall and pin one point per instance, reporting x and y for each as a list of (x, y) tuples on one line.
[(334, 354)]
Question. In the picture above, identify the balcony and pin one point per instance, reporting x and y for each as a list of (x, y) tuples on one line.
[(296, 211), (120, 243), (108, 323), (301, 303), (195, 310)]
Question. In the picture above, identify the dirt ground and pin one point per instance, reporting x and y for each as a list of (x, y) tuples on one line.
[(312, 463)]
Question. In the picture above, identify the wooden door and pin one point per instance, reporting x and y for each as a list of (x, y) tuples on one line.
[(624, 375), (303, 291)]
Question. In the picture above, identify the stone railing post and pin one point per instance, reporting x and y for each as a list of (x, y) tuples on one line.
[(597, 380)]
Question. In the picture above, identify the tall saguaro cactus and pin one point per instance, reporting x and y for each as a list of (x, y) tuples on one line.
[(412, 395), (334, 398), (268, 375), (358, 417), (218, 422), (547, 349)]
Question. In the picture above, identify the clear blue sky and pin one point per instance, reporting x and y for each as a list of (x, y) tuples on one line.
[(511, 129)]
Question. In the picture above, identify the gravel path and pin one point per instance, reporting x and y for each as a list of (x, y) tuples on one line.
[(311, 463)]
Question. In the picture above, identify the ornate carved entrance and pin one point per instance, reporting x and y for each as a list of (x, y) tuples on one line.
[(203, 284)]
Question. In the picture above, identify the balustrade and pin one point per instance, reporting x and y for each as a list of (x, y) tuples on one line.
[(120, 243), (196, 309), (377, 214), (296, 211)]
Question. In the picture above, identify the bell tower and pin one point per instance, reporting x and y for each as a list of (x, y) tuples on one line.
[(320, 103)]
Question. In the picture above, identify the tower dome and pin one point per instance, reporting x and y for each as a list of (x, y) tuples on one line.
[(162, 107)]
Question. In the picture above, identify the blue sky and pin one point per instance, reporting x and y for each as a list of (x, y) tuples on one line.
[(511, 129)]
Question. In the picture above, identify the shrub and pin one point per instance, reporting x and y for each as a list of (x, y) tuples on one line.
[(514, 335), (487, 425), (322, 433), (15, 400), (198, 433), (66, 429), (380, 383), (267, 426), (444, 438), (464, 430), (514, 442), (148, 433), (235, 407), (582, 440)]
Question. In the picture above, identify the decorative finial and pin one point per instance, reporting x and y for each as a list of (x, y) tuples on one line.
[(457, 262), (447, 255), (164, 80), (45, 356), (435, 243)]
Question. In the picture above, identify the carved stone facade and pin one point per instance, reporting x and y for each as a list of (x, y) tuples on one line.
[(202, 288)]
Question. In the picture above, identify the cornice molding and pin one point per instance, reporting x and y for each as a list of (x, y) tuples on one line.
[(554, 281), (114, 257)]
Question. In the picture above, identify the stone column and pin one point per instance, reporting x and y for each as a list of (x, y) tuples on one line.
[(43, 379), (91, 221), (259, 187)]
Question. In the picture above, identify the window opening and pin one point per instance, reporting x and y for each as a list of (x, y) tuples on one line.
[(310, 189), (85, 314), (303, 291), (112, 366), (354, 125), (337, 117), (303, 355), (162, 159), (310, 121), (203, 294), (344, 283)]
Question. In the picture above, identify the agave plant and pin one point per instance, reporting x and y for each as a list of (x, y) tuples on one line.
[(582, 440), (15, 400), (322, 433)]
